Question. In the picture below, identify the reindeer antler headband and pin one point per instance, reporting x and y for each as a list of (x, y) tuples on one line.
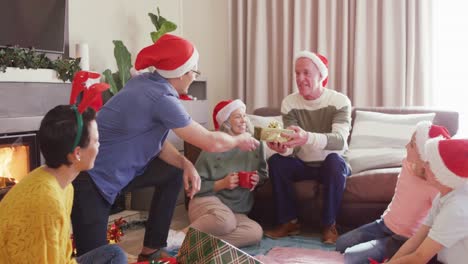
[(86, 92)]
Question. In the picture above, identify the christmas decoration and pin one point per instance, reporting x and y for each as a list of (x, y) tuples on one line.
[(170, 55), (114, 232), (271, 134), (200, 247)]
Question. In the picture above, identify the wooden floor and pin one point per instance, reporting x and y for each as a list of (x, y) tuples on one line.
[(132, 240)]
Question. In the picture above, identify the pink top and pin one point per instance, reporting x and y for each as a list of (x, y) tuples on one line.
[(410, 204)]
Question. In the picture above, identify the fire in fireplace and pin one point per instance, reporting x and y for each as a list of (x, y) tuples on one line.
[(14, 162), (19, 154)]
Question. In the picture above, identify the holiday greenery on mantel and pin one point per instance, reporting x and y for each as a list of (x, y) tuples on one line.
[(25, 58)]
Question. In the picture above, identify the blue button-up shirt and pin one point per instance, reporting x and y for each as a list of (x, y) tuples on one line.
[(133, 126)]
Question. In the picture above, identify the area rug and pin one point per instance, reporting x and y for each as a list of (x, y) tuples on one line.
[(294, 249), (290, 242), (279, 255), (291, 249)]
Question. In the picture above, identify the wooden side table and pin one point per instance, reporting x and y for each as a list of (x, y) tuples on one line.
[(191, 152)]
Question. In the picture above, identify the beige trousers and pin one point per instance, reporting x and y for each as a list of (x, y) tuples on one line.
[(210, 215)]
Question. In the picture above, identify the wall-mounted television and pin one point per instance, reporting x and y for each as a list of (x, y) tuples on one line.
[(33, 23)]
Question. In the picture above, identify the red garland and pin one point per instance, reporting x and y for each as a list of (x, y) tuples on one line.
[(114, 232)]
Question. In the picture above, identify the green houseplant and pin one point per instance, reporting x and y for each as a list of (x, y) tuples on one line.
[(117, 80)]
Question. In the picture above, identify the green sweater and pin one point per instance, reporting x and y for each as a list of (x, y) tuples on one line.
[(215, 166)]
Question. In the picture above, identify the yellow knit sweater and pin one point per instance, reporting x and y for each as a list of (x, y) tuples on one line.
[(35, 221)]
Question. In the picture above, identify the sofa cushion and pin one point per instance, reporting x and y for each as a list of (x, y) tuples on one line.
[(379, 130), (371, 186), (374, 158)]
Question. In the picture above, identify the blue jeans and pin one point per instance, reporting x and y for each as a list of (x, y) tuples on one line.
[(108, 254), (374, 240), (284, 171)]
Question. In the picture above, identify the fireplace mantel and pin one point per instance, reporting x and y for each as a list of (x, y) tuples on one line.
[(24, 103), (29, 75)]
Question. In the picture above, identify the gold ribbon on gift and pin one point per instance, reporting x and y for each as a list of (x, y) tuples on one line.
[(271, 134)]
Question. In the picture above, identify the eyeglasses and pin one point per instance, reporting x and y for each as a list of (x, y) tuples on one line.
[(197, 73)]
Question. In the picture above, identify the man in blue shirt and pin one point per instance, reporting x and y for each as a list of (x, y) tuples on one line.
[(134, 153)]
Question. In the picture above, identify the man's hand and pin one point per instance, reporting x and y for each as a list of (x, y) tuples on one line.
[(192, 180), (298, 138), (246, 142), (254, 180), (277, 146)]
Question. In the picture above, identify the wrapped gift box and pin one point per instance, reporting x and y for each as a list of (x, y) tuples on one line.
[(202, 248), (271, 134)]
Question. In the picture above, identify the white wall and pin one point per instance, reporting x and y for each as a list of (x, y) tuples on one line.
[(204, 22), (99, 22)]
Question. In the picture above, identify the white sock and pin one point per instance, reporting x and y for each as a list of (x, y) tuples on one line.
[(175, 239)]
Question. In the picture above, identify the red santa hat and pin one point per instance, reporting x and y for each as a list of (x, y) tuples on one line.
[(448, 160), (172, 56), (224, 109), (320, 62), (426, 130)]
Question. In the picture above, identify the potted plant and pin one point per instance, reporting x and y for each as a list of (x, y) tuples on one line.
[(117, 80)]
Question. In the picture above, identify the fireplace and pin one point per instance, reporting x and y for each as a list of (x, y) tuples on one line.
[(19, 154), (23, 104)]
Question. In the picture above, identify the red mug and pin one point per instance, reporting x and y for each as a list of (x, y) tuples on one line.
[(245, 179)]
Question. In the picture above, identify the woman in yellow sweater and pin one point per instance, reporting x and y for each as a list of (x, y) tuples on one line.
[(35, 214)]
